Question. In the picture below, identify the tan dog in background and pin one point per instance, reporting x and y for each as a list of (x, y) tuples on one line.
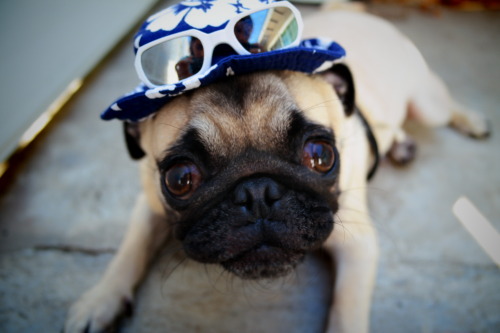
[(251, 172)]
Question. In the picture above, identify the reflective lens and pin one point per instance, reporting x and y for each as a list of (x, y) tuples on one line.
[(173, 60), (267, 30)]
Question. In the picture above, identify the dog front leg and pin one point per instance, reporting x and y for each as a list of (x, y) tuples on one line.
[(100, 307), (354, 250)]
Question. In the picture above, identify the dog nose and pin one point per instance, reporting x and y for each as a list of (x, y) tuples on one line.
[(257, 196)]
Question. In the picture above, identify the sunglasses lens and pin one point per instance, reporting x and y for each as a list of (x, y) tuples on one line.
[(267, 30), (173, 60)]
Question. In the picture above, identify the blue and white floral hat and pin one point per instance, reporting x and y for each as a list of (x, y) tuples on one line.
[(197, 42)]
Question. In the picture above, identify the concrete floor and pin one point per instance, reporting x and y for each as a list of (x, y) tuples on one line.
[(74, 189)]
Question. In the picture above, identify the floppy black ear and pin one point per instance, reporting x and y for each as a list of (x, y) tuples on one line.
[(340, 77), (132, 136)]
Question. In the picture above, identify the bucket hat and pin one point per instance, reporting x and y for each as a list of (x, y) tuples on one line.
[(166, 43)]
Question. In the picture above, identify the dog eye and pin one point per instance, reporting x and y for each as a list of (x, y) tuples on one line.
[(182, 179), (318, 156)]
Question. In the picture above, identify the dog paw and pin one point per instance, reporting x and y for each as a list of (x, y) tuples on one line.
[(471, 124), (98, 310), (403, 152)]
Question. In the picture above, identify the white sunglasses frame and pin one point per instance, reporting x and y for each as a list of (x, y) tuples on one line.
[(211, 40)]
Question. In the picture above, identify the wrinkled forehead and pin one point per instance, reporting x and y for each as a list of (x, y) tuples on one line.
[(253, 111)]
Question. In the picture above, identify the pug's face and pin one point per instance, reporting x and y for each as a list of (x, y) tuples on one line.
[(247, 170)]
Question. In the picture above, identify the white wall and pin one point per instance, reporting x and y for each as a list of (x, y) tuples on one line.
[(46, 45)]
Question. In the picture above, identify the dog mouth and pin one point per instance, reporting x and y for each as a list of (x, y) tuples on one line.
[(264, 261), (261, 230)]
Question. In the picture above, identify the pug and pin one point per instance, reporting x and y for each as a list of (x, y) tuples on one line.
[(252, 172)]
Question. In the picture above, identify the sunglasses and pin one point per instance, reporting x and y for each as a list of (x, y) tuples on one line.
[(190, 54)]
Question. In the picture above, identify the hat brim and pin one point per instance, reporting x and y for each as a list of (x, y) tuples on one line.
[(311, 57)]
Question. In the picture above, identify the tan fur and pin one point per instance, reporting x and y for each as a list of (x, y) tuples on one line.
[(249, 124), (390, 75)]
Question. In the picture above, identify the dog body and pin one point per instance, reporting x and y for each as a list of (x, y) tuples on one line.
[(254, 171), (392, 79)]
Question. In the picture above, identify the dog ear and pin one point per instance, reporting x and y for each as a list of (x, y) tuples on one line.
[(132, 136), (340, 77)]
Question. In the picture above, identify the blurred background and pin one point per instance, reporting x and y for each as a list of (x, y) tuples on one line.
[(67, 184)]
